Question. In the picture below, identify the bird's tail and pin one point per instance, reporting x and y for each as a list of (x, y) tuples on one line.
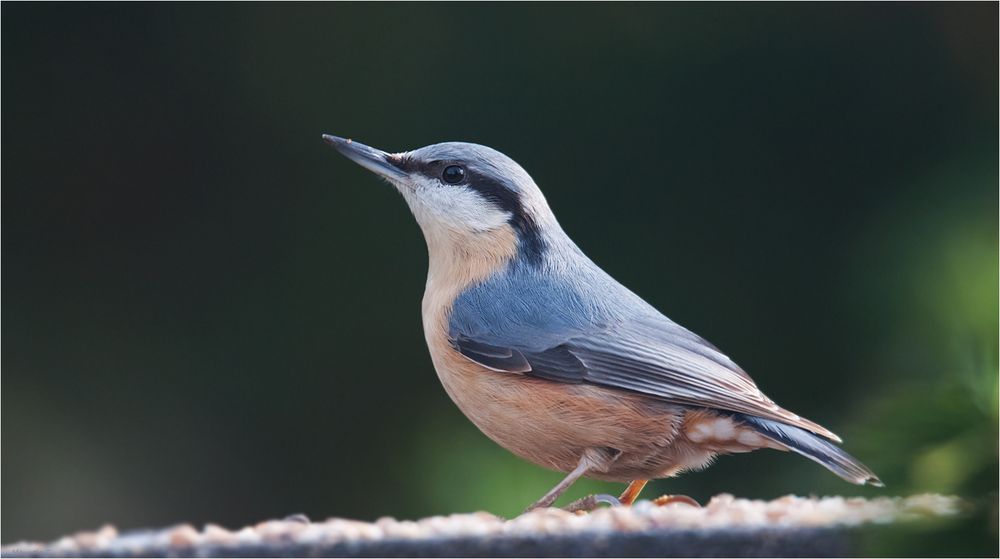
[(815, 448)]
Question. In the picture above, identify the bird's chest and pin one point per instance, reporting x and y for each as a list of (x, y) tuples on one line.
[(512, 410), (484, 396), (490, 399)]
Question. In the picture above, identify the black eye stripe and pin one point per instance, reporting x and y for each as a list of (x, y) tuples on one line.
[(495, 191), (486, 186)]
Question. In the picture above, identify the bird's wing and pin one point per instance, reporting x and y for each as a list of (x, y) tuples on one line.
[(648, 354)]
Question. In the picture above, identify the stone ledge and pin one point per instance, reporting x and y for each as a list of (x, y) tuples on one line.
[(726, 526)]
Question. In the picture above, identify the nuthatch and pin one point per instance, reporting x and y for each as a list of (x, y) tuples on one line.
[(552, 358)]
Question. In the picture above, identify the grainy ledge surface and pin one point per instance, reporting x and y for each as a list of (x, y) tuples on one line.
[(726, 526)]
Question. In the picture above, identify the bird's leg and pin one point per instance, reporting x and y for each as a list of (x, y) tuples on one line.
[(592, 459), (632, 491)]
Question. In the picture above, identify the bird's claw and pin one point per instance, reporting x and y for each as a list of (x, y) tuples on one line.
[(591, 502), (664, 500)]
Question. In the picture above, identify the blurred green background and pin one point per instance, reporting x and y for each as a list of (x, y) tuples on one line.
[(210, 316)]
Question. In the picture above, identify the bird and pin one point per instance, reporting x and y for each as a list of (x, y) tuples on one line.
[(555, 360)]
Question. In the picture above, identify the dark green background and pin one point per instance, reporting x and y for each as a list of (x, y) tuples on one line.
[(211, 316)]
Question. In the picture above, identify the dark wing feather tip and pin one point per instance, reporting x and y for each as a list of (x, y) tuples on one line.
[(815, 448), (493, 357)]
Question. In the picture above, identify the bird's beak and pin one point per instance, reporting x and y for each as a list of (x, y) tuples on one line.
[(375, 160)]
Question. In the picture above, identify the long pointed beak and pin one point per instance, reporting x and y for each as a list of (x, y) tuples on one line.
[(375, 160)]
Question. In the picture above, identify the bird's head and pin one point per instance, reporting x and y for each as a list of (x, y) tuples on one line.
[(467, 198)]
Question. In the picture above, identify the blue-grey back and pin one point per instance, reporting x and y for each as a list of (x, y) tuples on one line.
[(536, 306)]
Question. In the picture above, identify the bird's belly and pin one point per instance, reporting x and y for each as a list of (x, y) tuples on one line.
[(551, 424)]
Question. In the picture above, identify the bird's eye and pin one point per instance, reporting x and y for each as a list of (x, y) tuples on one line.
[(453, 174)]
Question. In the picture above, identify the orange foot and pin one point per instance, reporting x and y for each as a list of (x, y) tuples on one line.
[(670, 499)]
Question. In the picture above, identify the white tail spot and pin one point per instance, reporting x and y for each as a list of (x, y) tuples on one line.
[(699, 432), (723, 430)]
